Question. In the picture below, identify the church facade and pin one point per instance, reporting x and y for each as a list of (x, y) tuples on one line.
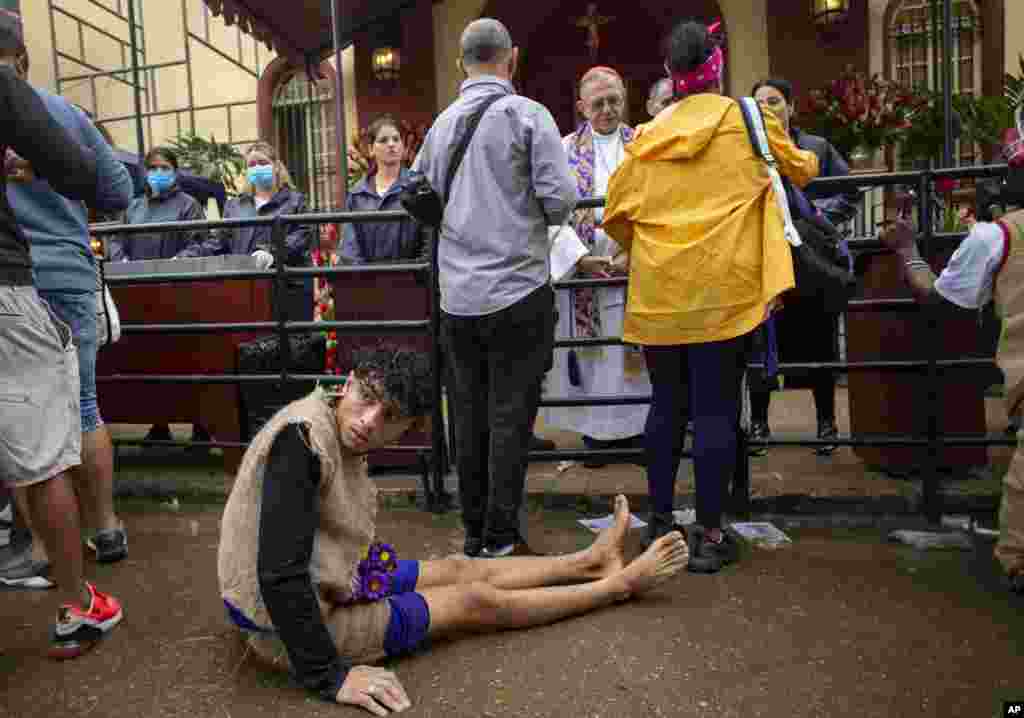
[(559, 40)]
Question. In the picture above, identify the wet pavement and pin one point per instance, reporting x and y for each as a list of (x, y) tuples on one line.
[(840, 623)]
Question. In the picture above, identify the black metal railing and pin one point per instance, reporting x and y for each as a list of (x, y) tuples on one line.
[(436, 496), (432, 458), (931, 243)]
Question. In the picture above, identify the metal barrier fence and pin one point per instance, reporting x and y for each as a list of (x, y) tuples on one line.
[(435, 493), (433, 475)]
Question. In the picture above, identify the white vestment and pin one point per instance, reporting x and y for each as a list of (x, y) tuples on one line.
[(602, 369)]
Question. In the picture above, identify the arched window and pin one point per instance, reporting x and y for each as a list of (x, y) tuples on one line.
[(915, 50), (304, 125)]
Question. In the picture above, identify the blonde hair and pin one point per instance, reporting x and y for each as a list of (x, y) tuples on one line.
[(281, 176)]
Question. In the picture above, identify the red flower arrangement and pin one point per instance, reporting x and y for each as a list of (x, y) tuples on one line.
[(859, 111), (323, 308)]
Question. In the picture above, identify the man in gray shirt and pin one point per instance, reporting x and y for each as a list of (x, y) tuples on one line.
[(497, 320)]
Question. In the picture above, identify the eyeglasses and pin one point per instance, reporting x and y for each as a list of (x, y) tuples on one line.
[(773, 101), (612, 102)]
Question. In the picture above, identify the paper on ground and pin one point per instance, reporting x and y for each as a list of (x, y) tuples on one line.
[(932, 539), (762, 533), (566, 250), (597, 525)]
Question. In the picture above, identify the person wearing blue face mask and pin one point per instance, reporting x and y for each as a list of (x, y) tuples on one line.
[(163, 201), (267, 190)]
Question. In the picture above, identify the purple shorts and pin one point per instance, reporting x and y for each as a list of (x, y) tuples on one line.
[(410, 615)]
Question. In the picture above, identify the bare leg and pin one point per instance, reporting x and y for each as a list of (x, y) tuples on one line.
[(94, 479), (482, 607), (603, 558), (53, 507), (38, 546)]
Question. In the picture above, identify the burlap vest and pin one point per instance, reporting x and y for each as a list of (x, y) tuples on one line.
[(1009, 298), (347, 513)]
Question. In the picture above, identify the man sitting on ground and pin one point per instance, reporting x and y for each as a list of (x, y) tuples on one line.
[(301, 575)]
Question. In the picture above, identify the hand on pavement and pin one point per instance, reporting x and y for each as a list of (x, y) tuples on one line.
[(375, 689)]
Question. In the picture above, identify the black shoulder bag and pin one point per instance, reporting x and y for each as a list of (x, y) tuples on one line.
[(419, 198), (821, 272)]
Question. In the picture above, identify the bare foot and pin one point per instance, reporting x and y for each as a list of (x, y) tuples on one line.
[(606, 555), (661, 561)]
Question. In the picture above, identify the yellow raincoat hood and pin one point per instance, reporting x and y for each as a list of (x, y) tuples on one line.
[(693, 206)]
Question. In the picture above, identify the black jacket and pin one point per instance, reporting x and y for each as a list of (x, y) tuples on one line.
[(27, 128), (246, 240), (382, 241), (173, 206), (837, 206)]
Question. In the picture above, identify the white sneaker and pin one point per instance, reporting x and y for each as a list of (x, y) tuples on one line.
[(23, 573)]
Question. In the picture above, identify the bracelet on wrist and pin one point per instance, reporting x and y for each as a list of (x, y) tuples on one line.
[(916, 264)]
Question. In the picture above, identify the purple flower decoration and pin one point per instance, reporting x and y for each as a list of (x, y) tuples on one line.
[(375, 585), (373, 580), (387, 558)]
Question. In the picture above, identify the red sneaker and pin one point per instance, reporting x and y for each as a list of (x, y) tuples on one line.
[(78, 631)]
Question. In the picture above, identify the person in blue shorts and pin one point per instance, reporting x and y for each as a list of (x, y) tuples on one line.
[(305, 579)]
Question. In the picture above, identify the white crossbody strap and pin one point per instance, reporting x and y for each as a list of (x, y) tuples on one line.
[(759, 138)]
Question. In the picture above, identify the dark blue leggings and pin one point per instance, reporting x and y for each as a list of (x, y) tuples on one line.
[(702, 380)]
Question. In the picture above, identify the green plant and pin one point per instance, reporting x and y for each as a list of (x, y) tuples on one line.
[(985, 119), (216, 161), (981, 121)]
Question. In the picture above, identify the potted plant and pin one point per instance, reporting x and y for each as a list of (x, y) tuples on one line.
[(218, 162), (976, 120)]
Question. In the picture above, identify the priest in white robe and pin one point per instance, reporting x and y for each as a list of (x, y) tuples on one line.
[(595, 151)]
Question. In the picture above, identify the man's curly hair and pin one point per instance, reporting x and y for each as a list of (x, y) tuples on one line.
[(398, 376)]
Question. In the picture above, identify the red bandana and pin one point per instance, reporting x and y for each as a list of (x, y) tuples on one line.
[(703, 78), (706, 76)]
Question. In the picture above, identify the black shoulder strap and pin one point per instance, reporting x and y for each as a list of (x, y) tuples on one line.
[(460, 151)]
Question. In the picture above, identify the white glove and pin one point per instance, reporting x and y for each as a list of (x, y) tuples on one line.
[(265, 258)]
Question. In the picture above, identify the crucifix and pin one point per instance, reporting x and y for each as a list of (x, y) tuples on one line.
[(592, 23)]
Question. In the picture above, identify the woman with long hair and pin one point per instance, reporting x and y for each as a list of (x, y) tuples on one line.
[(380, 190), (692, 207), (163, 201)]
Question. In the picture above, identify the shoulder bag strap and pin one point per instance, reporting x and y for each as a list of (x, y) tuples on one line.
[(460, 151), (759, 139)]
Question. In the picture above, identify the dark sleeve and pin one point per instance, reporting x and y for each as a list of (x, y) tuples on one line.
[(194, 213), (300, 238), (212, 243), (117, 246), (288, 523), (840, 207), (297, 242), (350, 248), (35, 135)]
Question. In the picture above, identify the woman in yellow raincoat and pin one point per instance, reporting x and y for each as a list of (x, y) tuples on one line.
[(693, 209)]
